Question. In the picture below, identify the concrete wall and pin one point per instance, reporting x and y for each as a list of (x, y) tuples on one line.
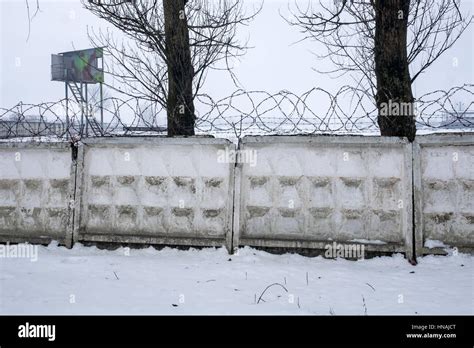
[(289, 192), (444, 191), (304, 192), (155, 190), (36, 189)]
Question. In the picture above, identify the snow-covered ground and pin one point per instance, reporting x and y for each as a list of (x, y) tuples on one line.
[(86, 280)]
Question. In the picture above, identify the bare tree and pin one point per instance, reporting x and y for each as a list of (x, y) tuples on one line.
[(31, 11), (384, 45), (170, 46)]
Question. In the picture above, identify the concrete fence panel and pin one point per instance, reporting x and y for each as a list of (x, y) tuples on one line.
[(308, 191), (36, 192), (156, 190), (444, 192)]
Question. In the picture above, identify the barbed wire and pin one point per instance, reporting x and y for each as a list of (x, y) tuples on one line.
[(242, 113)]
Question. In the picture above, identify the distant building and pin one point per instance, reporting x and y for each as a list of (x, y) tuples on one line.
[(455, 120), (157, 129), (17, 125)]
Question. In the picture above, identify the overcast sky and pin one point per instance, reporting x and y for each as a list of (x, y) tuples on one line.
[(276, 63)]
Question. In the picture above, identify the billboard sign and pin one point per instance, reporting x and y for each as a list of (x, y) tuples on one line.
[(79, 66)]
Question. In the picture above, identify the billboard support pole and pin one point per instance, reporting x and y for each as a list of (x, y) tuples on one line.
[(101, 107), (87, 110), (82, 112), (67, 112)]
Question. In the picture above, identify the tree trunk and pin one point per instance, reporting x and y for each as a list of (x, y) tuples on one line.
[(395, 103), (180, 105)]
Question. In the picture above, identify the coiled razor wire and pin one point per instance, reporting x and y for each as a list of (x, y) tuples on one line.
[(316, 111)]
